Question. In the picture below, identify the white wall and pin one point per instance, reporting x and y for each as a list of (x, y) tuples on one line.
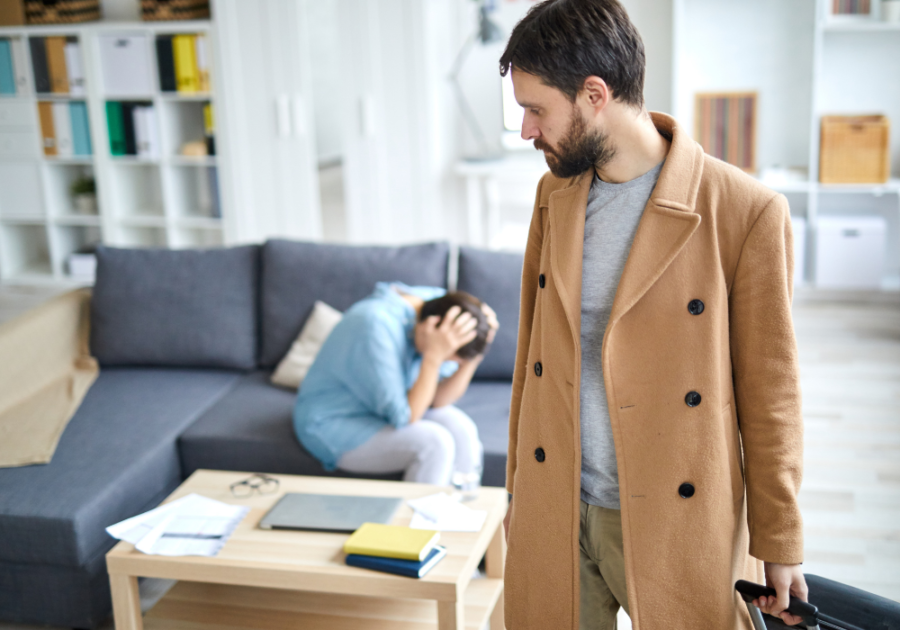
[(326, 68)]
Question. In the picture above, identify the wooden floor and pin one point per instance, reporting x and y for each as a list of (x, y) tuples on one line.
[(850, 368)]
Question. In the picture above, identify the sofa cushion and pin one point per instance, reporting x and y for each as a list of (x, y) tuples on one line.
[(296, 274), (251, 428), (117, 457), (487, 403), (496, 278), (179, 308)]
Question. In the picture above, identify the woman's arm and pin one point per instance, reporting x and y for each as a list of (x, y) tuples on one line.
[(452, 388)]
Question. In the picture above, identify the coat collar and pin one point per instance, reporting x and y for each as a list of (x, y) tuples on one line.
[(667, 223)]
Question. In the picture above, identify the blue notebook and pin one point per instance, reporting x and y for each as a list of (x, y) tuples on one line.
[(409, 568), (7, 73), (81, 136)]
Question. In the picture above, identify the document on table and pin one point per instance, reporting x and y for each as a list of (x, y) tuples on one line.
[(443, 513), (191, 526)]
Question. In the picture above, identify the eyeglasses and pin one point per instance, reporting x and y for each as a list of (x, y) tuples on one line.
[(258, 483)]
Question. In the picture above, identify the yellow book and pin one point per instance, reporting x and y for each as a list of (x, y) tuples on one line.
[(186, 77), (209, 127), (392, 541)]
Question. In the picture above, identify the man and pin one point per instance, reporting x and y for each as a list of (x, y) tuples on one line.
[(379, 396), (655, 426)]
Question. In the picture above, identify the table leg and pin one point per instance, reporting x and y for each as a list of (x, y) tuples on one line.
[(451, 616), (495, 559), (126, 600)]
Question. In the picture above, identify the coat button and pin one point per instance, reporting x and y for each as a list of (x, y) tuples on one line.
[(539, 454), (695, 307), (537, 368), (541, 280), (692, 399), (686, 490)]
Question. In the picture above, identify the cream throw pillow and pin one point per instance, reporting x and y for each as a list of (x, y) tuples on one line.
[(296, 363)]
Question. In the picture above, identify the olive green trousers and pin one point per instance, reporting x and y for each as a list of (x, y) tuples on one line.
[(602, 568)]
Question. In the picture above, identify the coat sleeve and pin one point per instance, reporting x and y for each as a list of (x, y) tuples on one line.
[(529, 286), (767, 385)]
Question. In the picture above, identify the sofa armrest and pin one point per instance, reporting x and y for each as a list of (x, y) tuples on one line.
[(46, 371)]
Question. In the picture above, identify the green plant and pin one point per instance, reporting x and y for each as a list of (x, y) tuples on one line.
[(83, 186)]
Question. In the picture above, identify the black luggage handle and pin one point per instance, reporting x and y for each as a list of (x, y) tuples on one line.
[(750, 591)]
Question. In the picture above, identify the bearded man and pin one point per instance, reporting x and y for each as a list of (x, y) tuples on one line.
[(656, 436)]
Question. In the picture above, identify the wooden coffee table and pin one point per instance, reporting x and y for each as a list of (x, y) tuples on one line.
[(266, 579)]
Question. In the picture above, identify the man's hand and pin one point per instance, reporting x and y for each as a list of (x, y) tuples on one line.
[(787, 580)]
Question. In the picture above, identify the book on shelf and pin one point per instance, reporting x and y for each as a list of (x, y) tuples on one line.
[(74, 66), (48, 134), (725, 126), (392, 541), (201, 54), (165, 60), (56, 64), (186, 75), (7, 70), (128, 128), (20, 63), (409, 568), (62, 126), (116, 128), (145, 131), (39, 65), (851, 7), (126, 65), (209, 129), (215, 207), (81, 135)]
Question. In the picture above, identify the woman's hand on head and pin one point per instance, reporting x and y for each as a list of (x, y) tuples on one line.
[(441, 341), (493, 324)]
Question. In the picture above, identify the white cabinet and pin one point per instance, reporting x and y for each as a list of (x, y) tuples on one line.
[(269, 176)]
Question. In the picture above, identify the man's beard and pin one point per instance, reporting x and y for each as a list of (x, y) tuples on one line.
[(580, 149)]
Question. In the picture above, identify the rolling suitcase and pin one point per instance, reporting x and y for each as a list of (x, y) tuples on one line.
[(836, 602)]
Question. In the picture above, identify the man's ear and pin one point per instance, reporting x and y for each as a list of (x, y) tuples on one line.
[(595, 94)]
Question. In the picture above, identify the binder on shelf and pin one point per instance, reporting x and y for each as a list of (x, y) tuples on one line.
[(128, 128), (39, 65), (81, 134), (20, 63), (145, 131), (165, 60), (48, 134), (56, 64), (126, 65), (202, 57), (116, 128), (185, 64), (209, 129), (62, 126), (74, 67), (7, 71)]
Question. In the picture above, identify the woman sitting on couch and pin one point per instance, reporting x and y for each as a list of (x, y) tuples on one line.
[(379, 396)]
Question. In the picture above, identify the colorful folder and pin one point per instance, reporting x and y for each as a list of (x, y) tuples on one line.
[(81, 135), (186, 75), (392, 541), (7, 71), (116, 127)]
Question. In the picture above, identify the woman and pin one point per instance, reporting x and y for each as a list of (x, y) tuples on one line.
[(379, 397)]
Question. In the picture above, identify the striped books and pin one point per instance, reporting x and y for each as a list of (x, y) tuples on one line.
[(64, 128), (183, 63), (56, 63), (133, 129), (851, 7), (725, 126)]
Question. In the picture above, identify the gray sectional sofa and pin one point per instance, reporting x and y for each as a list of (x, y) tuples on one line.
[(186, 341)]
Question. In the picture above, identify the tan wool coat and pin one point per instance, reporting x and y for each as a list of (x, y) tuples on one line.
[(711, 233)]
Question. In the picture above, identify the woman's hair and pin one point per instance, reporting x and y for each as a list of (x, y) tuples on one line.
[(440, 306)]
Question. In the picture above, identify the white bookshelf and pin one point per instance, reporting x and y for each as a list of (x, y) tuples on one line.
[(804, 63), (162, 201)]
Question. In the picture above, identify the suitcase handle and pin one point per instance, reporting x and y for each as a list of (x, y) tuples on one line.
[(750, 591)]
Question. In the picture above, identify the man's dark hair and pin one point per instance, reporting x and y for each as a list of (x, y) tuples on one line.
[(563, 42), (468, 303)]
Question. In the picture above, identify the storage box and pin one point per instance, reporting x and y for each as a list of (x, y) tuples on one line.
[(850, 252), (798, 227), (854, 150), (82, 266), (61, 11), (152, 10), (12, 12)]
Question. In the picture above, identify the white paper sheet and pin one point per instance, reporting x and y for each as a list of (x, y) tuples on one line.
[(443, 513), (191, 526)]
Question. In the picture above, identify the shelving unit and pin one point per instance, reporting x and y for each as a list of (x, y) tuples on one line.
[(804, 63), (142, 201)]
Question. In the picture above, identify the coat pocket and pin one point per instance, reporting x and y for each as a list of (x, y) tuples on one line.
[(735, 454)]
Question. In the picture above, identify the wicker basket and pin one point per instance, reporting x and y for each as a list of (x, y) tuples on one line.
[(854, 150), (61, 11), (153, 10)]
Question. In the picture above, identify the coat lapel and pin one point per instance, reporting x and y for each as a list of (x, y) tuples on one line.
[(567, 211)]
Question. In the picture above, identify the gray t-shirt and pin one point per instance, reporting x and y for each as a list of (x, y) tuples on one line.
[(611, 221)]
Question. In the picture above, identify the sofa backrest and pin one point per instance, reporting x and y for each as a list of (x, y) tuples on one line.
[(296, 274), (178, 308), (496, 278)]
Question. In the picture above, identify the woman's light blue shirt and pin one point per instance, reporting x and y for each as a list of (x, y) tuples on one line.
[(359, 380)]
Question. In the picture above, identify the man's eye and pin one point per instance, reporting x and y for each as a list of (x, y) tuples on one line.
[(535, 111)]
